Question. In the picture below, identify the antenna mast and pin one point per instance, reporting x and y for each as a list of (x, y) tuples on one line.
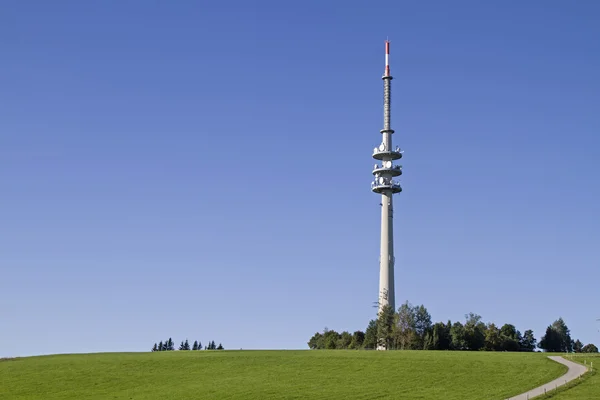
[(386, 186)]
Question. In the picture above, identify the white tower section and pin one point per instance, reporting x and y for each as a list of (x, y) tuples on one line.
[(386, 186)]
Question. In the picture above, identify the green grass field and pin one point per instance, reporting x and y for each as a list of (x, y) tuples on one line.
[(276, 375), (589, 388)]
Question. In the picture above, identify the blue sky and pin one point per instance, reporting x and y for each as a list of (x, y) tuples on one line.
[(202, 170)]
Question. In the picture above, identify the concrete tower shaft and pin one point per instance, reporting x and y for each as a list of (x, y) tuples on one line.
[(385, 185)]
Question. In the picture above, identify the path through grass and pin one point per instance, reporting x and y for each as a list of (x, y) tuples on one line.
[(589, 388)]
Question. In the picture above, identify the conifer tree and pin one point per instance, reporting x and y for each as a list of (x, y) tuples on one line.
[(186, 345), (220, 347), (199, 345), (182, 346), (155, 348), (195, 345), (160, 346)]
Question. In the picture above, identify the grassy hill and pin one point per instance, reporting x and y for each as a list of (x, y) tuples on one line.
[(276, 374)]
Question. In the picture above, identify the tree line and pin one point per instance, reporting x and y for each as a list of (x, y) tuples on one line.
[(558, 339), (411, 328), (169, 345)]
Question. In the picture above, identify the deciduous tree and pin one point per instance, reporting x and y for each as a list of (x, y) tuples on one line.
[(589, 348), (345, 340), (493, 338), (331, 339), (474, 332), (404, 331), (510, 337), (316, 342)]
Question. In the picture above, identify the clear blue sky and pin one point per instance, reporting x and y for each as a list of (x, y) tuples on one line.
[(202, 170)]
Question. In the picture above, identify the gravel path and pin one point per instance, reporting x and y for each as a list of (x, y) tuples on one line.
[(575, 370)]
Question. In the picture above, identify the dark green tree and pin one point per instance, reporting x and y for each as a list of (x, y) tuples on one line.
[(370, 341), (565, 335), (385, 321), (155, 348), (510, 338), (161, 346), (331, 338), (422, 326), (557, 338), (195, 345), (528, 342), (474, 332), (182, 346), (199, 345), (428, 342), (220, 347), (358, 338), (577, 346), (170, 345), (440, 336), (445, 338), (493, 338), (186, 345), (345, 340), (551, 341), (589, 348), (435, 336), (457, 337), (316, 342)]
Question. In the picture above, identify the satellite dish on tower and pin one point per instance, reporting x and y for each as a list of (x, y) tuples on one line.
[(382, 147), (381, 180), (388, 164)]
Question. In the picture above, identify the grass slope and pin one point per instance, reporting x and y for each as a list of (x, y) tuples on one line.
[(276, 374), (589, 388)]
